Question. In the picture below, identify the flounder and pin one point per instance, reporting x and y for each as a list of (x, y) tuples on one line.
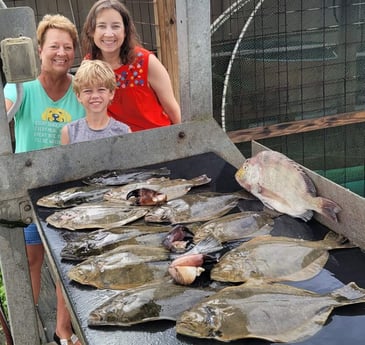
[(150, 302), (276, 259), (273, 312), (282, 184), (172, 188), (121, 177), (73, 196), (196, 207), (101, 215), (100, 241), (236, 226), (122, 268)]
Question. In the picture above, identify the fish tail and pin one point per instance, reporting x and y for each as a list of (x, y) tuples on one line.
[(334, 240), (200, 180), (349, 294), (163, 171), (208, 245), (328, 208)]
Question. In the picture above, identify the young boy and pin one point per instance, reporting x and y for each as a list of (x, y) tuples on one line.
[(94, 85)]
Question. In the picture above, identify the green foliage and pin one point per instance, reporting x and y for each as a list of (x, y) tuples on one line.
[(2, 295)]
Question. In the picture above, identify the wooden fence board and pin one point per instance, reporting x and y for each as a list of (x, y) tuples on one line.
[(295, 127)]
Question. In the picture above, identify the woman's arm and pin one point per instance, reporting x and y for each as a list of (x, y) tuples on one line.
[(160, 82), (8, 104), (65, 139)]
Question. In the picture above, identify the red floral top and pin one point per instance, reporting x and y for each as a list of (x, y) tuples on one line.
[(135, 103)]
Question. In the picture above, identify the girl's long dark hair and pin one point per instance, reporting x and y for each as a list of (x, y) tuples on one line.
[(131, 40)]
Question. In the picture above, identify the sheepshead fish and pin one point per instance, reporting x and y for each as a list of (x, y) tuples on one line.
[(196, 207), (282, 185), (73, 196), (236, 226), (102, 215), (100, 241), (273, 312), (124, 267), (172, 188), (121, 177), (276, 259), (156, 301)]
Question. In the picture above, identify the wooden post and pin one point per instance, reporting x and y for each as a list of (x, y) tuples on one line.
[(194, 59), (15, 271), (166, 37)]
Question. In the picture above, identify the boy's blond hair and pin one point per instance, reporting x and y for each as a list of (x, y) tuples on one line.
[(56, 21), (93, 73)]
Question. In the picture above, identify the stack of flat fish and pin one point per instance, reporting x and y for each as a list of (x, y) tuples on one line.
[(172, 188), (131, 257), (108, 207), (98, 185), (121, 177), (128, 266)]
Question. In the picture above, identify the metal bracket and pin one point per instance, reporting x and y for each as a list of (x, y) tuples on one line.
[(25, 211)]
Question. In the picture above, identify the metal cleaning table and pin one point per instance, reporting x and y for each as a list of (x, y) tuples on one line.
[(345, 325)]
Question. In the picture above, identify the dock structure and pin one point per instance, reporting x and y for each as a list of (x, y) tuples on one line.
[(199, 134)]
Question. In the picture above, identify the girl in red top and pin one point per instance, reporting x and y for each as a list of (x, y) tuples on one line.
[(144, 96)]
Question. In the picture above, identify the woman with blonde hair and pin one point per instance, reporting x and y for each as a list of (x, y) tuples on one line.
[(47, 104)]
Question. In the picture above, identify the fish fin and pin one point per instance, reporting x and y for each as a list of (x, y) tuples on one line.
[(307, 215), (277, 199), (350, 292), (310, 187), (267, 193), (273, 197), (328, 208), (245, 195), (271, 212), (200, 180), (208, 245), (309, 271), (71, 236), (333, 240), (258, 281)]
